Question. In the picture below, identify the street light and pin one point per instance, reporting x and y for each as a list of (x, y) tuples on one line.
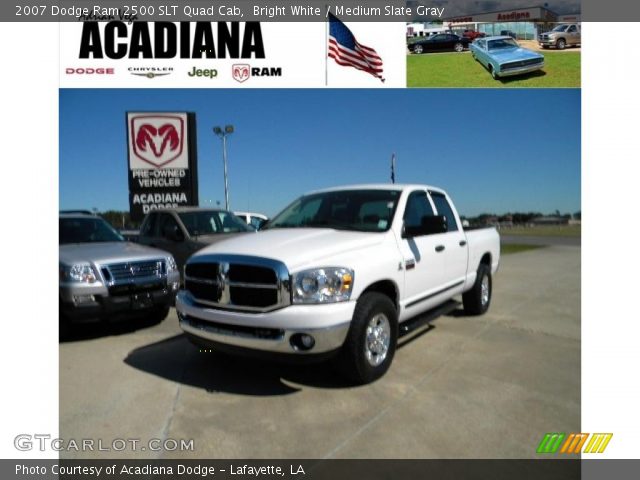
[(228, 130)]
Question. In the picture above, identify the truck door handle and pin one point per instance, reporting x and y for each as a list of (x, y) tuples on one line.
[(462, 243), (439, 248)]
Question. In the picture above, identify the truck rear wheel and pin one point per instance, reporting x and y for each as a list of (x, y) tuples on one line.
[(371, 342), (477, 300)]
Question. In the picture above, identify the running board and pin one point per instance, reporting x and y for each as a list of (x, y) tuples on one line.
[(427, 317)]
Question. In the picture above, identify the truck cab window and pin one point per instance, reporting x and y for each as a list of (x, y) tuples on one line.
[(443, 207), (418, 206)]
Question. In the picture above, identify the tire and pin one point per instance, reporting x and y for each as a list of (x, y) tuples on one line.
[(371, 342), (158, 315), (493, 72), (561, 44), (458, 47), (418, 49), (477, 300)]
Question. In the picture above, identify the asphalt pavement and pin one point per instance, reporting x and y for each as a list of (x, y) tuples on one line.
[(467, 387)]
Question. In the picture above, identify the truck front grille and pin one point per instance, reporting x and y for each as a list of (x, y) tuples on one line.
[(128, 273), (236, 282)]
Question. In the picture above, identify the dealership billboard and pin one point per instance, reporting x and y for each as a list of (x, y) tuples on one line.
[(162, 156)]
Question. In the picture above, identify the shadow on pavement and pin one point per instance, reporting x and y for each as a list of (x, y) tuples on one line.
[(178, 360), (89, 331)]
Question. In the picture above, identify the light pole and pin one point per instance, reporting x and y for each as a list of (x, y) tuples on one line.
[(228, 130)]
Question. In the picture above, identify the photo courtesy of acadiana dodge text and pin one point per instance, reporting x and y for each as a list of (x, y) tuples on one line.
[(300, 274)]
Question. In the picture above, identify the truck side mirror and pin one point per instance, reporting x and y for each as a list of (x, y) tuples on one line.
[(430, 224)]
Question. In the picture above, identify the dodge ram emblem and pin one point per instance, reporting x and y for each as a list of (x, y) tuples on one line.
[(241, 72), (222, 284), (157, 139)]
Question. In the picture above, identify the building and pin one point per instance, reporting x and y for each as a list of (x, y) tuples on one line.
[(525, 23)]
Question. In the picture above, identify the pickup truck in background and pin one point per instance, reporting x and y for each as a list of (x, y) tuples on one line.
[(338, 273), (185, 230), (103, 276), (563, 35)]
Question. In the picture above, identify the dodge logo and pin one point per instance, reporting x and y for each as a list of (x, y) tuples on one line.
[(241, 72), (157, 139)]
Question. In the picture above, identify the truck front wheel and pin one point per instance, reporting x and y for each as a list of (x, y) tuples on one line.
[(372, 338), (476, 301)]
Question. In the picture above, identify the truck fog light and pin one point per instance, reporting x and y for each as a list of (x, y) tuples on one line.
[(302, 341), (80, 299)]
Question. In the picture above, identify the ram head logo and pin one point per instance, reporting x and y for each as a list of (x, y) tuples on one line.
[(241, 72), (157, 140)]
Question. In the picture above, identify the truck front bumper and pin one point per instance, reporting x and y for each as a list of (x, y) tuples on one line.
[(90, 303), (296, 330)]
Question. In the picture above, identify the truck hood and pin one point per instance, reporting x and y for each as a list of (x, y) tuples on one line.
[(211, 238), (107, 252), (514, 54), (297, 247)]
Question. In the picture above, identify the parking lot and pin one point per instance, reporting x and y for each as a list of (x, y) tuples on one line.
[(483, 387)]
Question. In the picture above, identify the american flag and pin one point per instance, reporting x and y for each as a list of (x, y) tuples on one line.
[(346, 51)]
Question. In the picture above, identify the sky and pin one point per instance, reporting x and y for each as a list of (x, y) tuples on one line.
[(492, 150)]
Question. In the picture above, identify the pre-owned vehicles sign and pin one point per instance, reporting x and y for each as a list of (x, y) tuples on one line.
[(162, 161)]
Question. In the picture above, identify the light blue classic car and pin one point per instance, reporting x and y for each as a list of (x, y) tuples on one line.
[(503, 57)]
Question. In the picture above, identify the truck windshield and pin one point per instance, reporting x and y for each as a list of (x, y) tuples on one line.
[(87, 230), (560, 28), (209, 222), (358, 210), (502, 43)]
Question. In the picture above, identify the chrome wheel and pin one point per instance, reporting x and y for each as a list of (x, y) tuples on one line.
[(458, 47), (378, 339), (417, 49), (485, 290)]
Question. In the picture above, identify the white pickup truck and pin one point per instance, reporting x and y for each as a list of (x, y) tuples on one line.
[(338, 272)]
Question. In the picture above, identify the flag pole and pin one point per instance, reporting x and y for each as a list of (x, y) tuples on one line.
[(393, 168), (326, 50)]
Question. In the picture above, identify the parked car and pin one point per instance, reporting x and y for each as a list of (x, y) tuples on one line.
[(185, 230), (561, 36), (472, 34), (503, 57), (102, 275), (338, 272), (255, 220), (508, 33), (442, 42)]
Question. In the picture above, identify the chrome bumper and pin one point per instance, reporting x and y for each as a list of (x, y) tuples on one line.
[(521, 70), (243, 330)]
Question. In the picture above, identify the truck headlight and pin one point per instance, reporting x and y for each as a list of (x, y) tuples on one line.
[(79, 272), (322, 285), (172, 266)]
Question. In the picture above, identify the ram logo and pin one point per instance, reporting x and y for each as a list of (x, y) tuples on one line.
[(241, 72), (157, 139)]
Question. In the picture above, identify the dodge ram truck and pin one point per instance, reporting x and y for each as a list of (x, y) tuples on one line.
[(102, 276), (338, 273), (561, 36)]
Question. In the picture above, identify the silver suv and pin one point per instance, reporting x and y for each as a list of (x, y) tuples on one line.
[(102, 275), (561, 36)]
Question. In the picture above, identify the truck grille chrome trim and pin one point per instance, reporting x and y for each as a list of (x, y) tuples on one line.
[(127, 273), (238, 282)]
